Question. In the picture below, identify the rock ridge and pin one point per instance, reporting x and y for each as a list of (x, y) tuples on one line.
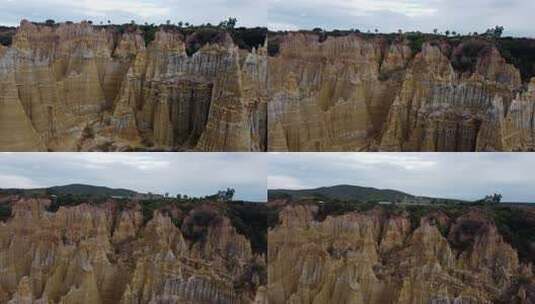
[(80, 87), (111, 254), (351, 93)]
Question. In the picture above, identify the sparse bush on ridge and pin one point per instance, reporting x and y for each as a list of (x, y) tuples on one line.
[(517, 51), (244, 38)]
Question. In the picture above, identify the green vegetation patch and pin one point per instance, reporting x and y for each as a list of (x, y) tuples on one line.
[(149, 32), (249, 38), (198, 37), (196, 224), (520, 53), (339, 207), (416, 42), (5, 212), (6, 35), (517, 226), (253, 221), (465, 57)]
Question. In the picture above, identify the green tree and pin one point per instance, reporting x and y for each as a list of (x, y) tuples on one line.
[(495, 32), (229, 24)]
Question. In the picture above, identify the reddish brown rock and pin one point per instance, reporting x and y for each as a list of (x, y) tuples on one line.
[(81, 87), (106, 254), (377, 257), (355, 93)]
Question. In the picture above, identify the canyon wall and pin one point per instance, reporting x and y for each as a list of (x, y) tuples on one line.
[(384, 257), (356, 93), (79, 87), (112, 253)]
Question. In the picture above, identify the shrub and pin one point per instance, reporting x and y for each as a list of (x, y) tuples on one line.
[(273, 46), (416, 41), (202, 36), (6, 35), (5, 212), (248, 38), (466, 55), (195, 226), (6, 40), (149, 33), (253, 220), (520, 53), (518, 228)]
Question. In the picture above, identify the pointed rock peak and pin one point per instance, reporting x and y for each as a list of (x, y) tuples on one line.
[(24, 294), (168, 41), (25, 24), (531, 86), (431, 51)]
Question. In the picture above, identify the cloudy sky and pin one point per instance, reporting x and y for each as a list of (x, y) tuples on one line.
[(386, 15), (390, 15), (196, 174), (248, 12), (468, 176)]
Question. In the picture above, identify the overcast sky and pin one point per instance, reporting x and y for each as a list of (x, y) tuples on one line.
[(390, 15), (455, 175), (248, 12), (386, 15), (196, 174), (467, 176)]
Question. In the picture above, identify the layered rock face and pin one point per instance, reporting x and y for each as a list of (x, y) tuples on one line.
[(378, 257), (352, 93), (79, 87), (108, 254)]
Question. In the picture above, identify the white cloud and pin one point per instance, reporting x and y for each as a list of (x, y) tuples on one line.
[(134, 160), (100, 8), (284, 182), (390, 15), (276, 26), (16, 181), (410, 8), (406, 161)]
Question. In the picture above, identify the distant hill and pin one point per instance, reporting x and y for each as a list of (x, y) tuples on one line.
[(73, 189), (342, 192), (89, 190), (350, 192)]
